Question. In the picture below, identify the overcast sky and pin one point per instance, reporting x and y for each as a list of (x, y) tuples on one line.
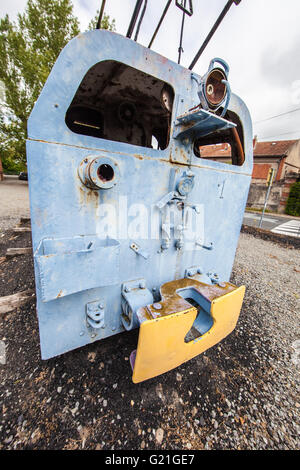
[(260, 39)]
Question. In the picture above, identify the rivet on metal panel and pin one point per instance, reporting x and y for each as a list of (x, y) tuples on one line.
[(214, 277), (222, 284), (192, 271), (157, 306)]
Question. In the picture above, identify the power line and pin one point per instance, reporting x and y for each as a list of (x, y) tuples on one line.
[(284, 133), (159, 23), (141, 20), (101, 14), (278, 115), (213, 30)]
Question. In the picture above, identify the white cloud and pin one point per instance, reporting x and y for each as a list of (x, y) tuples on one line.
[(259, 39)]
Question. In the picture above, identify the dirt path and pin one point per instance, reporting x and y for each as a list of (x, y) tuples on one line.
[(14, 201), (241, 394)]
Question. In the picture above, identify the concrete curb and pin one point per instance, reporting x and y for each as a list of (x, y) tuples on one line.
[(284, 240)]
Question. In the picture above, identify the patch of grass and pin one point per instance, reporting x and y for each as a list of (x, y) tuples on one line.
[(256, 209)]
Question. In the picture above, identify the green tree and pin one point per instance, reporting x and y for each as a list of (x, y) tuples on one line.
[(293, 202), (29, 48), (105, 22)]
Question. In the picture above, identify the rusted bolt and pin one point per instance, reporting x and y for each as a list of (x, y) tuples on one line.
[(157, 306)]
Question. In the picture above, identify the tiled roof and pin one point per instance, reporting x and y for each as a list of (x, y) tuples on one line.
[(218, 150), (276, 148), (279, 147), (261, 170)]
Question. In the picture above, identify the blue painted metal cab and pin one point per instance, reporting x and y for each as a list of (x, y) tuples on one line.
[(122, 202)]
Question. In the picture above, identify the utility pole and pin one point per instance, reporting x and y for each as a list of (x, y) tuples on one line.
[(269, 184)]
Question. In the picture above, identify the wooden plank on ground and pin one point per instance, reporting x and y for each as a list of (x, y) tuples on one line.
[(18, 251), (22, 229), (11, 302)]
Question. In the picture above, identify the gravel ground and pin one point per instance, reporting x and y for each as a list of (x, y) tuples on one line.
[(240, 394)]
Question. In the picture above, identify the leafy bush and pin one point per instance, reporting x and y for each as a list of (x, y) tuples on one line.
[(293, 202)]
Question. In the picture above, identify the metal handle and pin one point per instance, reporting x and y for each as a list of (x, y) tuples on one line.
[(228, 96), (221, 62)]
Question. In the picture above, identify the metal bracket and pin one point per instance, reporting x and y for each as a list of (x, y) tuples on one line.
[(189, 11), (134, 295), (183, 185), (199, 123), (167, 198), (137, 249), (186, 183), (197, 273), (95, 314), (206, 245)]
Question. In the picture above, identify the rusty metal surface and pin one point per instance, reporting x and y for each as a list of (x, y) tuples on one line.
[(68, 202), (130, 102), (171, 302)]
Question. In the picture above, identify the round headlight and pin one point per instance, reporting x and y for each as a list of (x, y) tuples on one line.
[(215, 90)]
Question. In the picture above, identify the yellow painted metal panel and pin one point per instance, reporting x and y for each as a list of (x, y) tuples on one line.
[(161, 345)]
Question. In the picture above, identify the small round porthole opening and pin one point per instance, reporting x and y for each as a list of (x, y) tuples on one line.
[(105, 172), (99, 173)]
